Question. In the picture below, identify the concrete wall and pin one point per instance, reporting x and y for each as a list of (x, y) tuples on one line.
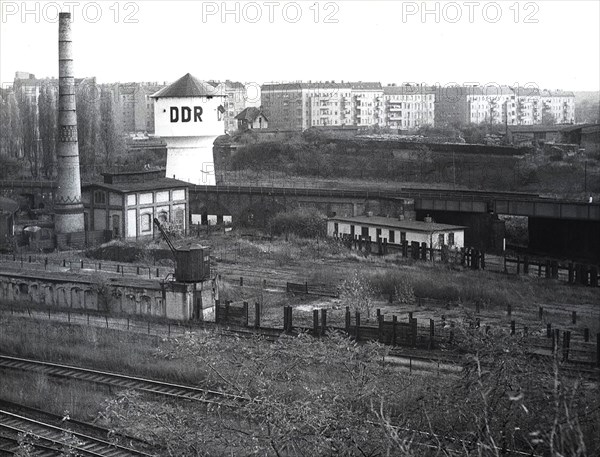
[(256, 209), (176, 301)]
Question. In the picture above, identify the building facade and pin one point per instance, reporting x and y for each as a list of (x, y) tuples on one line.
[(298, 106), (395, 231), (252, 119), (126, 204), (408, 107)]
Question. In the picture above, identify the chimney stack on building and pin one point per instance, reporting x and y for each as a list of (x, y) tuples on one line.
[(67, 199)]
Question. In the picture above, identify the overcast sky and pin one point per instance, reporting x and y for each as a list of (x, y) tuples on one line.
[(553, 44)]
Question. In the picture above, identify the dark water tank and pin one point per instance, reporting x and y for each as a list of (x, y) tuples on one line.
[(192, 264)]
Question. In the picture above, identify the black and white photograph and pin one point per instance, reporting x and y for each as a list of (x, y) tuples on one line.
[(305, 228)]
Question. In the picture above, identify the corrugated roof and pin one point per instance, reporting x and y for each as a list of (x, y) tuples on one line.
[(415, 226), (188, 86)]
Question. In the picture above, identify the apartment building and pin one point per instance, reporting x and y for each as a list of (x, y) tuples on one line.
[(367, 102), (503, 105), (298, 106), (327, 104), (492, 105), (408, 107), (560, 105), (284, 105)]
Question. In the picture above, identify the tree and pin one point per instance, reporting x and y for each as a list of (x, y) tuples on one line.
[(547, 115), (356, 292), (111, 135), (88, 123), (48, 109), (29, 133)]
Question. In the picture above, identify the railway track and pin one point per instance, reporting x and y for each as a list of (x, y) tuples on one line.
[(118, 380), (51, 439)]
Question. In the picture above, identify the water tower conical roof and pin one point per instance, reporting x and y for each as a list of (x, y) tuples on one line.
[(188, 86)]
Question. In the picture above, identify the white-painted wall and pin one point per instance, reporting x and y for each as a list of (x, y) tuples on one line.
[(432, 238)]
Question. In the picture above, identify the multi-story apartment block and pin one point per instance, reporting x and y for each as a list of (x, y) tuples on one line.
[(367, 101), (451, 107), (298, 106), (492, 105), (328, 104), (408, 107), (283, 105), (528, 106), (503, 105), (132, 100), (560, 105)]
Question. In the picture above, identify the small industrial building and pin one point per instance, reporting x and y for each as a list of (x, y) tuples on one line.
[(252, 119), (396, 231), (127, 203)]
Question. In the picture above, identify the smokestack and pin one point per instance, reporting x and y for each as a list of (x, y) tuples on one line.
[(67, 199)]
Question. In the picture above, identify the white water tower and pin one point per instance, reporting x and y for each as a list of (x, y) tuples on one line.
[(189, 116)]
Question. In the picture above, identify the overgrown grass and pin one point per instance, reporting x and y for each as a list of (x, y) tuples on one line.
[(103, 349), (465, 286), (37, 390)]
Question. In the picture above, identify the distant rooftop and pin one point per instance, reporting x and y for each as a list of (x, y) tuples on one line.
[(250, 114), (188, 86)]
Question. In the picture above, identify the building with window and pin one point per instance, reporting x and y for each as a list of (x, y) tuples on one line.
[(408, 107), (299, 106), (252, 118), (396, 231), (127, 203)]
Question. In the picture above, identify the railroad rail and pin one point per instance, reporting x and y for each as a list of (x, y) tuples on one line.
[(122, 381), (52, 438)]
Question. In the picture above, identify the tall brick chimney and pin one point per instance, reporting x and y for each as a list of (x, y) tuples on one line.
[(67, 199)]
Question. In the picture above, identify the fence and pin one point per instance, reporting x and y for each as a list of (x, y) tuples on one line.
[(45, 263), (573, 273), (322, 290), (576, 346), (410, 334)]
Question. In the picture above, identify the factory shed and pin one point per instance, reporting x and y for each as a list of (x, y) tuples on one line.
[(396, 231), (127, 203)]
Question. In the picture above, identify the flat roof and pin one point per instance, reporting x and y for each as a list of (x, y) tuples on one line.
[(413, 226), (140, 186)]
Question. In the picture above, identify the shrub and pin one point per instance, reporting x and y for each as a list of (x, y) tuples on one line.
[(302, 222)]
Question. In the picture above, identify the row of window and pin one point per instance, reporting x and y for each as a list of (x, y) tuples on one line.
[(100, 197), (364, 232)]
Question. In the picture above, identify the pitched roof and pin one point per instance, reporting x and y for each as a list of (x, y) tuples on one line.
[(250, 114), (413, 226), (188, 86)]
